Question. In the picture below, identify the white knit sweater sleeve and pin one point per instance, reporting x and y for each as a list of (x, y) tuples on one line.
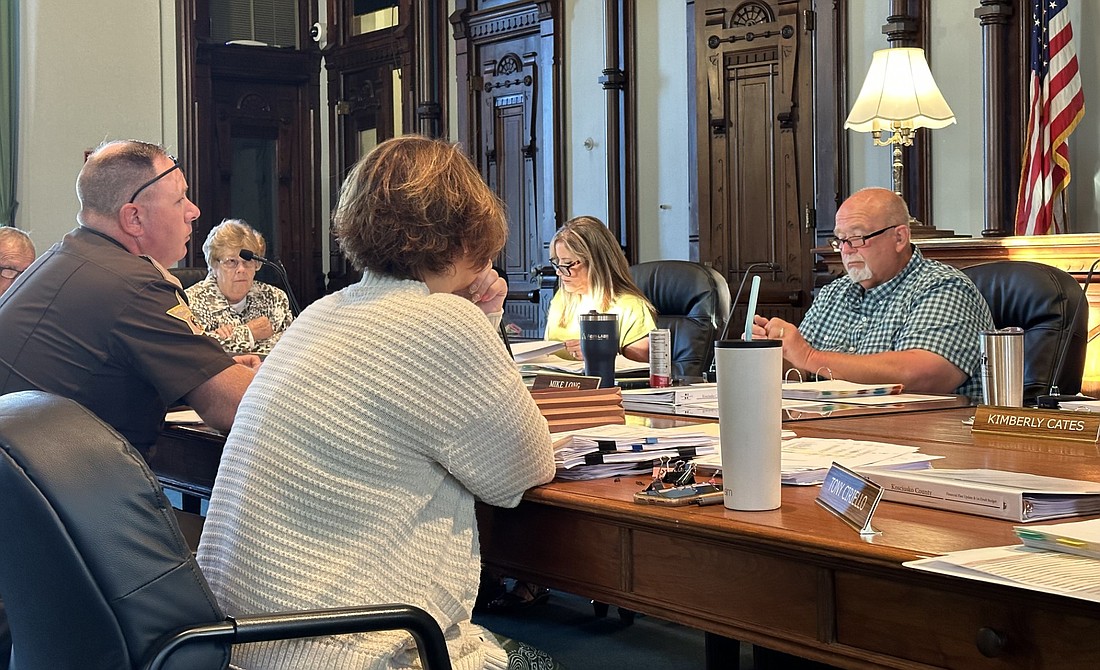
[(502, 445)]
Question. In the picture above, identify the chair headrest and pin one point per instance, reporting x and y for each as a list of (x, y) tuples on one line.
[(683, 288), (103, 530)]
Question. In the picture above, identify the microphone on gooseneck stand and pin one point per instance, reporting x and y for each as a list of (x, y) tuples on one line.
[(249, 255), (740, 287), (712, 373), (1054, 399)]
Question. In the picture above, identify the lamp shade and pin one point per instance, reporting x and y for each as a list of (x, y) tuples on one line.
[(899, 92)]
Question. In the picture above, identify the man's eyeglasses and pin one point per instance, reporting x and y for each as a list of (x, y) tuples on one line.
[(175, 166), (857, 241), (232, 264), (566, 269), (10, 273)]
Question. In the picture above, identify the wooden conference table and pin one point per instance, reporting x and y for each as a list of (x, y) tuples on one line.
[(795, 579)]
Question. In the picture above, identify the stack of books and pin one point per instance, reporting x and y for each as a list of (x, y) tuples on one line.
[(574, 410)]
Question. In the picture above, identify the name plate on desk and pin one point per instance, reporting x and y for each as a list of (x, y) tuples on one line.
[(851, 497), (1037, 423), (544, 381)]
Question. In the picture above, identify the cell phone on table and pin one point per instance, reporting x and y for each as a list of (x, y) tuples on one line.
[(677, 496)]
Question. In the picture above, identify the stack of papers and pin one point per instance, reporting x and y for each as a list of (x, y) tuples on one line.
[(806, 460), (1024, 567), (615, 444), (833, 389), (1056, 558), (691, 400), (1077, 537), (525, 351)]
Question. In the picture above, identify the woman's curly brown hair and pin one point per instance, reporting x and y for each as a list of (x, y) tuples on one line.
[(415, 205)]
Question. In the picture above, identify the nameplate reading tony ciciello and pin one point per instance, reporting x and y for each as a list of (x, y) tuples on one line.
[(851, 497)]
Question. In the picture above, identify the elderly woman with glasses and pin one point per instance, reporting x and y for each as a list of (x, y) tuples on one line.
[(244, 315), (593, 275)]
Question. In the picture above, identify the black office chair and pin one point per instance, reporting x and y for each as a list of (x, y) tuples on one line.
[(189, 276), (692, 301), (1053, 311), (95, 574)]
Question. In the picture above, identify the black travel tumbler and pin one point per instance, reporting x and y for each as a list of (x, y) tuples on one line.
[(600, 345)]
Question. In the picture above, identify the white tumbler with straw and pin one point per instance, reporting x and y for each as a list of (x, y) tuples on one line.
[(750, 417)]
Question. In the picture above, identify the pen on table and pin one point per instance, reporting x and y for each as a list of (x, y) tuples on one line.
[(754, 293)]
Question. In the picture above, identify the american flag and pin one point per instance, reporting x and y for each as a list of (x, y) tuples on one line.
[(1057, 105)]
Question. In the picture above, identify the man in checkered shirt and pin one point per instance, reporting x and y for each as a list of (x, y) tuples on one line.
[(896, 317)]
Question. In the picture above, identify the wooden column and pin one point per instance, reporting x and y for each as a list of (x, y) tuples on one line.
[(998, 134), (907, 26), (613, 81)]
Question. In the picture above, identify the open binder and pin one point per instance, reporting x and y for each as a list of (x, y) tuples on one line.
[(833, 389)]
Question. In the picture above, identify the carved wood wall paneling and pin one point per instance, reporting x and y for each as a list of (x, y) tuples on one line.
[(508, 121), (226, 90), (832, 102), (755, 146)]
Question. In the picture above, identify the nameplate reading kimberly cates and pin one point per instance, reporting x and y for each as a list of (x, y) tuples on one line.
[(1037, 423)]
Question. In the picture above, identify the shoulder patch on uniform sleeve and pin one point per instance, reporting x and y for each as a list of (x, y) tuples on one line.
[(182, 312)]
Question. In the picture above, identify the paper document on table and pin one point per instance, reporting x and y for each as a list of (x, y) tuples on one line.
[(183, 416), (806, 460), (555, 364), (1080, 405), (525, 351), (1023, 567), (1076, 537)]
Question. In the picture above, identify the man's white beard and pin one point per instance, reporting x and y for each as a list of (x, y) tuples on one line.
[(860, 274)]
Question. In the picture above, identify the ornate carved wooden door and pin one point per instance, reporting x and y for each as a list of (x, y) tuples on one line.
[(508, 119), (755, 147)]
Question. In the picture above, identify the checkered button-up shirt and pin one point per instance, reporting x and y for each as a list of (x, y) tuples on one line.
[(928, 305)]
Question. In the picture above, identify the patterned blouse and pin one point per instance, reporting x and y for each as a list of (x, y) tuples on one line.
[(212, 310)]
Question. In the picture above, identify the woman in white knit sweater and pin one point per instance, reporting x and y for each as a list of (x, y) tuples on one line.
[(385, 410)]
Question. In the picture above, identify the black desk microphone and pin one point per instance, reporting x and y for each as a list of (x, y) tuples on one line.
[(1054, 398), (249, 255)]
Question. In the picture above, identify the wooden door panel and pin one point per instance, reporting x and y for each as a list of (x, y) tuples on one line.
[(512, 153), (755, 138)]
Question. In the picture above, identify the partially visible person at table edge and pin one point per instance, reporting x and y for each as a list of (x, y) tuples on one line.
[(242, 314), (382, 415), (593, 275), (16, 255)]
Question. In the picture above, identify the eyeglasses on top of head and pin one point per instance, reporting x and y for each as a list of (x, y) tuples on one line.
[(857, 241), (175, 166), (10, 273), (234, 262), (566, 269)]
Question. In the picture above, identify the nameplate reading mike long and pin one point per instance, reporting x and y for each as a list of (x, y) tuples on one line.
[(1037, 423)]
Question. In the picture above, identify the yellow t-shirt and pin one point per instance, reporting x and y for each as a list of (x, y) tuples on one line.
[(635, 321)]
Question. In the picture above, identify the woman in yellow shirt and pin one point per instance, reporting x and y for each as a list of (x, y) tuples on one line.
[(593, 275)]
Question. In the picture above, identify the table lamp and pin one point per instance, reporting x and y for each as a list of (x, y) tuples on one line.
[(898, 96)]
